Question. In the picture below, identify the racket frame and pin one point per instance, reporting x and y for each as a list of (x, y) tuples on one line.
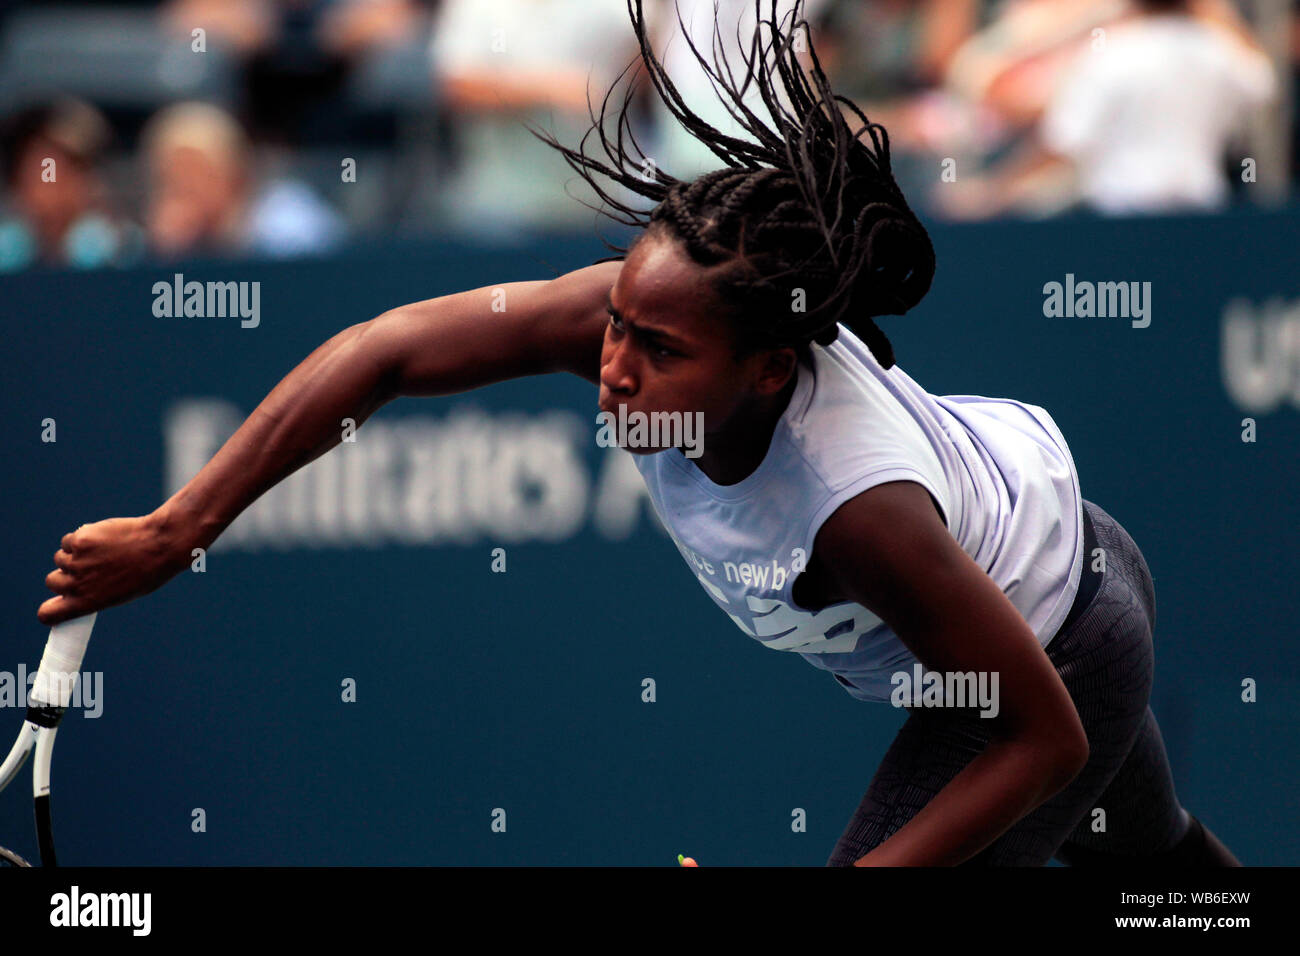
[(47, 703)]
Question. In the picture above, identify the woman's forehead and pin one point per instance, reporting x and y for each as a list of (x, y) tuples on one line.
[(659, 274)]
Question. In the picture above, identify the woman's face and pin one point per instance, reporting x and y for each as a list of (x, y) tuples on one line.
[(669, 348)]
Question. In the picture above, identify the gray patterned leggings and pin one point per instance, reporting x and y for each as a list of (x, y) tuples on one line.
[(1105, 658)]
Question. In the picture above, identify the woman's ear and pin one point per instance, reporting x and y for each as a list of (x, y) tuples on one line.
[(775, 369)]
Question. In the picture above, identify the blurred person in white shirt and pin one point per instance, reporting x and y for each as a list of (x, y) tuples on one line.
[(677, 151), (1143, 118), (503, 63)]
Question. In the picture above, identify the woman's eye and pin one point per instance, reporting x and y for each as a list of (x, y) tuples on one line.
[(658, 351)]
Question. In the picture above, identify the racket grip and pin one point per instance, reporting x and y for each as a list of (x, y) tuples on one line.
[(61, 662)]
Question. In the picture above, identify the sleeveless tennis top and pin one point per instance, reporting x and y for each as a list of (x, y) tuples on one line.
[(1000, 471)]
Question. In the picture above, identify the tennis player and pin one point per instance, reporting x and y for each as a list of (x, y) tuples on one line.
[(901, 528)]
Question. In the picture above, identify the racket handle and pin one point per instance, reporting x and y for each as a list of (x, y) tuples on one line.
[(61, 662)]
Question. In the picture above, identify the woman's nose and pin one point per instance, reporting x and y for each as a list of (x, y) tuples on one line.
[(616, 373)]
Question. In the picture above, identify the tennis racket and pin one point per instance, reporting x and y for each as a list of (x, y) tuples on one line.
[(48, 701)]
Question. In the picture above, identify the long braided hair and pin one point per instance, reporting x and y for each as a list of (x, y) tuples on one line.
[(806, 222)]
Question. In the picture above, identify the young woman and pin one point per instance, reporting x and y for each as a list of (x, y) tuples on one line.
[(901, 527)]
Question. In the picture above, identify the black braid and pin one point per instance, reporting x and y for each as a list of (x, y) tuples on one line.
[(808, 211)]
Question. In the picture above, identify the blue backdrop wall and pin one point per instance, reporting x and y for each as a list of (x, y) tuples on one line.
[(522, 690)]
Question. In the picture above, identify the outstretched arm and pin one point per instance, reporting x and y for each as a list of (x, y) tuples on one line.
[(440, 346)]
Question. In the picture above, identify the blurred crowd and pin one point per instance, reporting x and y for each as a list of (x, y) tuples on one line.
[(136, 131)]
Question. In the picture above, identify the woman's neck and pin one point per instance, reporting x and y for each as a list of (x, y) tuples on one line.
[(732, 454)]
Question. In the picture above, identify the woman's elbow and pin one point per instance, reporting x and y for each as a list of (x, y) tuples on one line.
[(1069, 755), (1053, 757)]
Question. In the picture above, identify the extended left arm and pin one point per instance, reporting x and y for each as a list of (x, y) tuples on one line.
[(888, 550)]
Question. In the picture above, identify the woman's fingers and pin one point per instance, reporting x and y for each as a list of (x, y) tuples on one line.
[(59, 609), (61, 582), (105, 563)]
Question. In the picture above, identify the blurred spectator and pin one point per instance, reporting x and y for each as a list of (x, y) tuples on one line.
[(1012, 66), (996, 86), (1144, 117), (202, 194), (1293, 47), (246, 26), (890, 57), (502, 62), (60, 210), (677, 151), (877, 52), (297, 55)]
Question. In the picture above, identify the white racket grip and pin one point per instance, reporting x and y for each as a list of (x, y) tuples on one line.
[(61, 662)]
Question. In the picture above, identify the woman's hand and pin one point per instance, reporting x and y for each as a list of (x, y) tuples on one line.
[(112, 562)]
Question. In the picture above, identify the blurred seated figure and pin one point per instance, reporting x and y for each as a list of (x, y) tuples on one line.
[(202, 194), (1012, 65), (891, 58), (500, 63), (297, 55), (57, 203), (1142, 119), (884, 50), (674, 26), (245, 26)]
